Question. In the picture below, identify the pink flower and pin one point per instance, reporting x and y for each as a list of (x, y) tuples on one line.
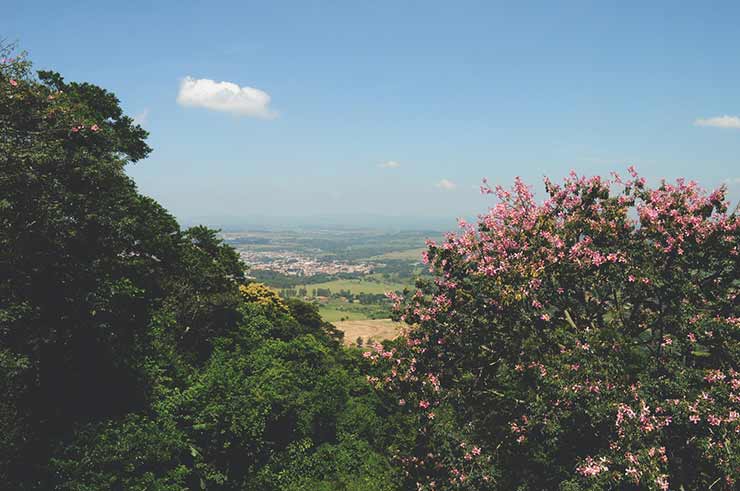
[(94, 128), (633, 474), (402, 402), (13, 82), (715, 376), (423, 404), (592, 468), (662, 482)]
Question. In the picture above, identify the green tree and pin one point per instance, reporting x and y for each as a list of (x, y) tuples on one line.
[(132, 354), (86, 262)]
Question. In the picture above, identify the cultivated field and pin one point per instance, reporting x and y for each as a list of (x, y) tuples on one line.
[(405, 255), (335, 312), (368, 330), (373, 284)]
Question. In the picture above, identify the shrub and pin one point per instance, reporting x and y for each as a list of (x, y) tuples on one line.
[(264, 296), (587, 342), (134, 453)]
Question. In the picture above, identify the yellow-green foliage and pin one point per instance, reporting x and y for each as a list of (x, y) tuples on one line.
[(265, 296)]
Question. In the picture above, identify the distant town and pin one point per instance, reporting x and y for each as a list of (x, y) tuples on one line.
[(296, 264)]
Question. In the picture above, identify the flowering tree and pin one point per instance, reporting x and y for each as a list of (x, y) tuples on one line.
[(587, 342)]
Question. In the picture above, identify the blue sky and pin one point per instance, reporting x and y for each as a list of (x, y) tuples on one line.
[(449, 91)]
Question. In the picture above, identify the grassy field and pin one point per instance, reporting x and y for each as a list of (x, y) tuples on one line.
[(333, 314), (368, 330), (338, 311), (406, 255), (369, 284)]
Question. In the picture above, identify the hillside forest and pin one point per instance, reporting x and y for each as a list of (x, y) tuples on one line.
[(587, 342)]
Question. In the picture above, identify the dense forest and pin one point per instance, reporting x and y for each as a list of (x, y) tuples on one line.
[(133, 354), (588, 342)]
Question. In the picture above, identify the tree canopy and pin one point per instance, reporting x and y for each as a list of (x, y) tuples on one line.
[(134, 355), (587, 342)]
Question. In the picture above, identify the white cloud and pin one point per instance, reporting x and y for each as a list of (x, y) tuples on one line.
[(142, 118), (719, 122), (226, 97), (446, 184), (391, 164)]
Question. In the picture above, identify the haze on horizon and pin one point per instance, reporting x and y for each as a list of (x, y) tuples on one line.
[(285, 110)]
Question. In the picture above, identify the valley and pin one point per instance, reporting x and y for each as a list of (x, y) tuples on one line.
[(345, 272)]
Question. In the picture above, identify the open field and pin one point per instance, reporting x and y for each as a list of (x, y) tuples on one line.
[(405, 255), (376, 330), (335, 310), (332, 313), (360, 285)]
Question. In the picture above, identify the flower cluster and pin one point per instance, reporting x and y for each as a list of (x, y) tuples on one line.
[(604, 319)]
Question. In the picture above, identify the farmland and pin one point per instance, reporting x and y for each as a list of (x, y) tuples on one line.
[(372, 284), (336, 310), (345, 272), (405, 255), (368, 330)]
